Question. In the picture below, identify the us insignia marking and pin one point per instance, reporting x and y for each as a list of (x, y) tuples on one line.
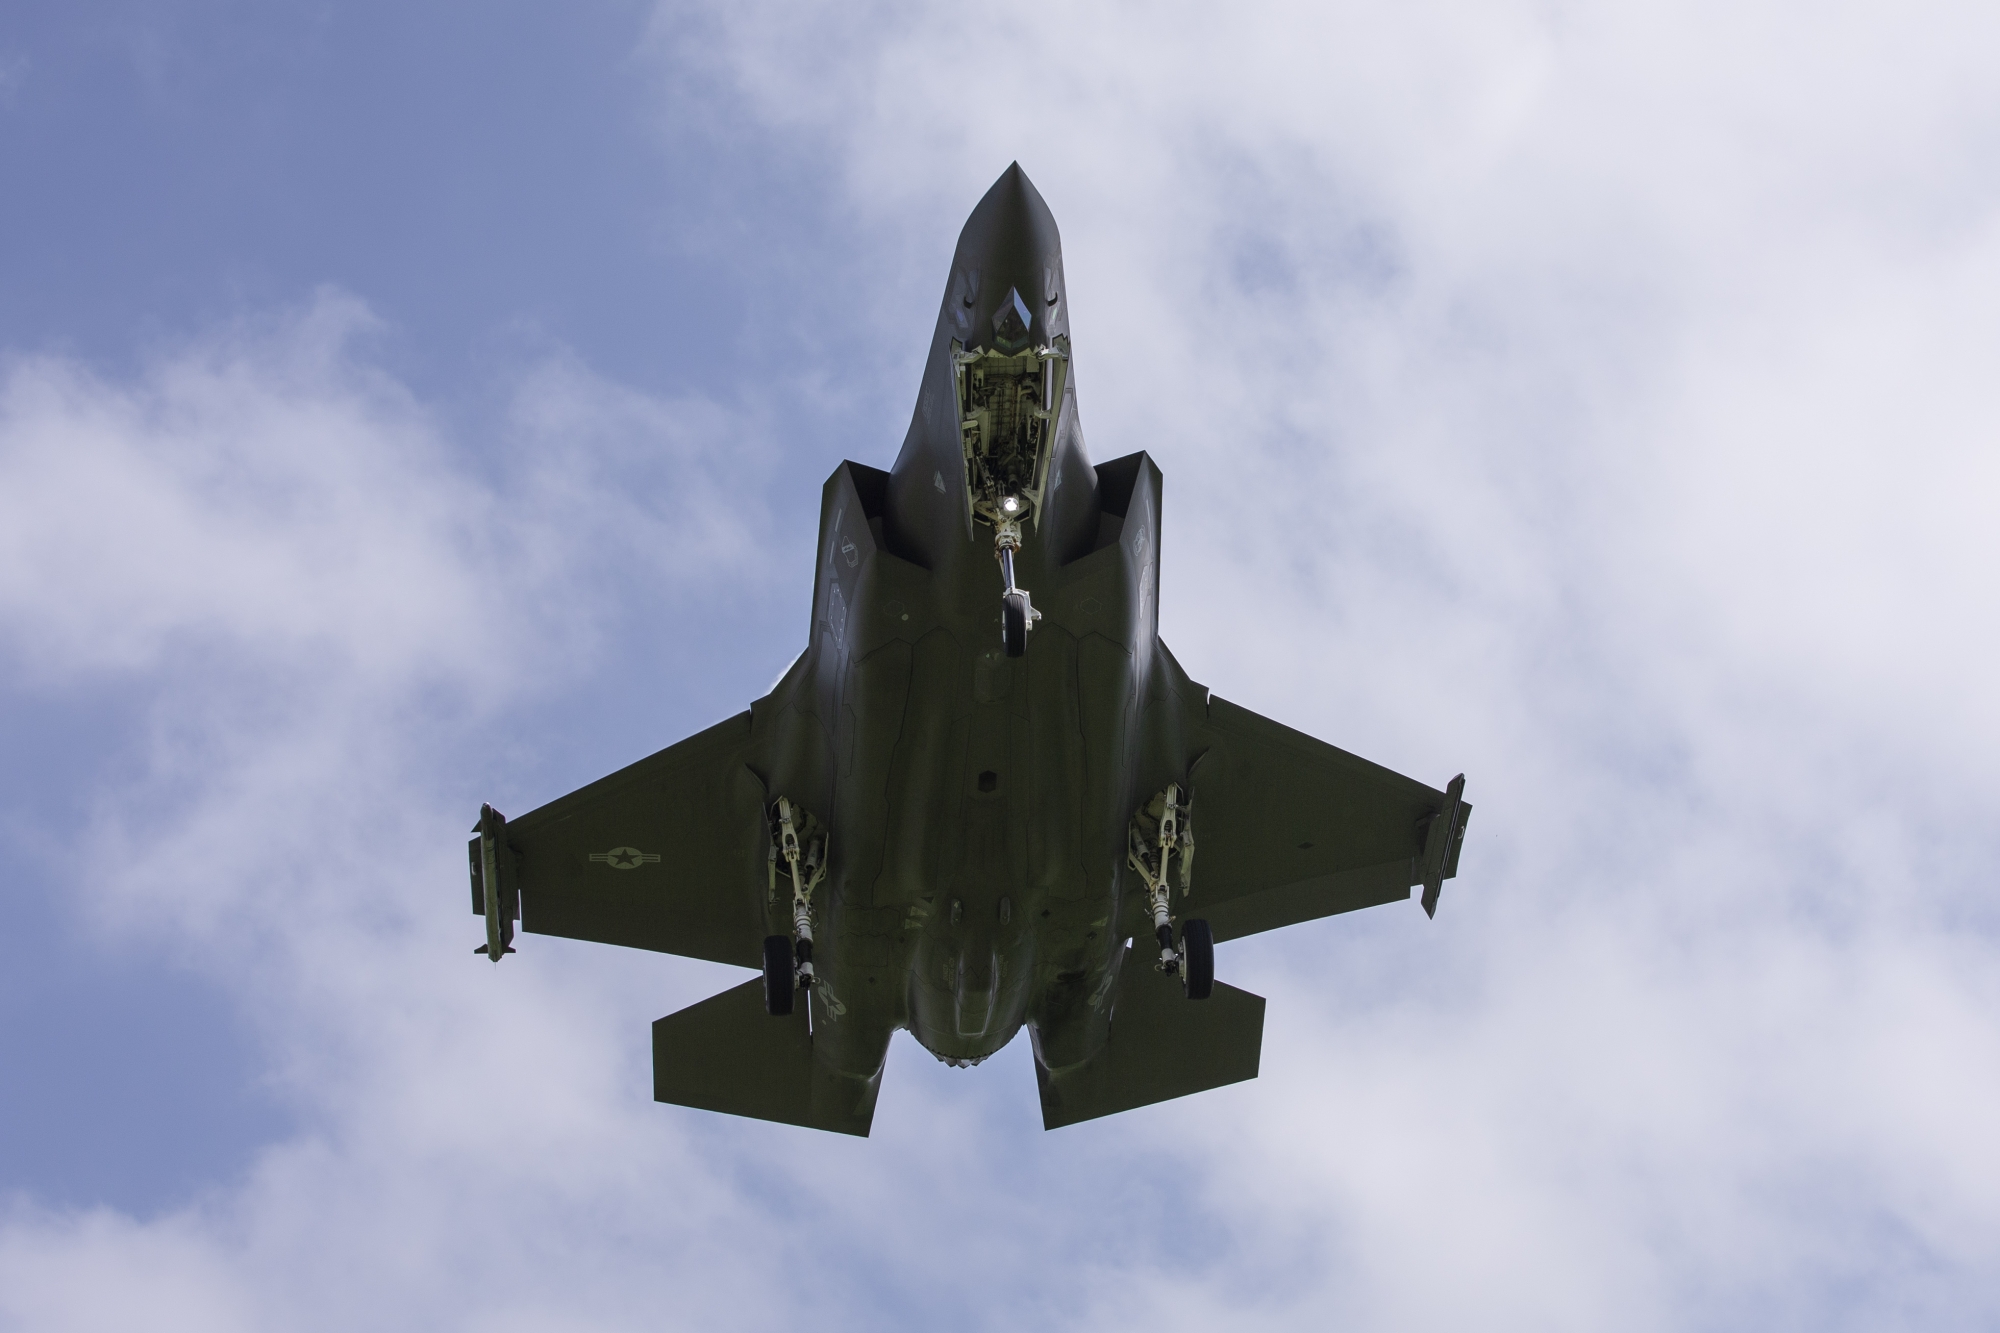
[(624, 858)]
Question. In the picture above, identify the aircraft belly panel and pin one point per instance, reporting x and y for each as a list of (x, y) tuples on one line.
[(921, 810), (1053, 771), (872, 726), (1104, 703)]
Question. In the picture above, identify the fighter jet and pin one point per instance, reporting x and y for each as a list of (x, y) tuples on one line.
[(974, 802)]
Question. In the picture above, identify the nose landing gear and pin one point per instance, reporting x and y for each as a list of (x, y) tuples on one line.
[(1010, 402), (1017, 613)]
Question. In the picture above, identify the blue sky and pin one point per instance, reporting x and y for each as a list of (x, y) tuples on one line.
[(402, 408)]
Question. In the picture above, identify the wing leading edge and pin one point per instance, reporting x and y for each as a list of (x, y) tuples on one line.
[(1292, 829)]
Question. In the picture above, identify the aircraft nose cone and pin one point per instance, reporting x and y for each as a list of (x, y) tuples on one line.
[(1012, 322), (1011, 203), (1010, 245)]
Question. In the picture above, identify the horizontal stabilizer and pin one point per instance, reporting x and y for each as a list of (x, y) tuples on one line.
[(1162, 1045), (727, 1054)]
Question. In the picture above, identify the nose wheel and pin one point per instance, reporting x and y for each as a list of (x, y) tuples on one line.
[(1014, 613)]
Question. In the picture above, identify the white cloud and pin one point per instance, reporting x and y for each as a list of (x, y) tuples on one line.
[(59, 1271), (241, 496), (1592, 399), (325, 599)]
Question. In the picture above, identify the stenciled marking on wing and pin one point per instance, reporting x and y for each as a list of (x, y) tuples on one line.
[(625, 858)]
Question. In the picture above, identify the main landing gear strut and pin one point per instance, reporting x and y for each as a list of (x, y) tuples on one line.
[(1162, 842), (797, 839)]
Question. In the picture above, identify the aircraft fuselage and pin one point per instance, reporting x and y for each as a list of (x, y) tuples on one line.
[(978, 802)]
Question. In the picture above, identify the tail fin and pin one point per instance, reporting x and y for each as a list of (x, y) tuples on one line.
[(1161, 1046), (726, 1054)]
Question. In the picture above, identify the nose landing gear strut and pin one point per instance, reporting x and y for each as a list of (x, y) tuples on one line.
[(1017, 613)]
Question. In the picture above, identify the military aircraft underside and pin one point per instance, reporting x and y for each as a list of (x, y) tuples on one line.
[(975, 801)]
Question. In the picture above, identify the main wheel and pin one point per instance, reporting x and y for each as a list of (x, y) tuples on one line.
[(1197, 960), (778, 975), (1014, 623)]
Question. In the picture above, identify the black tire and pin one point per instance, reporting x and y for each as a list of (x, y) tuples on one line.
[(1014, 624), (1197, 960), (778, 975)]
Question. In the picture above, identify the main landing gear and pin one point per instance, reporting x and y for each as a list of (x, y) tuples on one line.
[(798, 840), (1162, 842)]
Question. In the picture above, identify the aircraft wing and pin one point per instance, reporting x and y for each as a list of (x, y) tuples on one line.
[(1290, 829), (668, 854)]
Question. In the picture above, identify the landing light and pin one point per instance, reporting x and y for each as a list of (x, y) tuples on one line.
[(1010, 505)]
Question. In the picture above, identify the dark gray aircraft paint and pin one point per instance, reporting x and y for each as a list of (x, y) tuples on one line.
[(985, 796)]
